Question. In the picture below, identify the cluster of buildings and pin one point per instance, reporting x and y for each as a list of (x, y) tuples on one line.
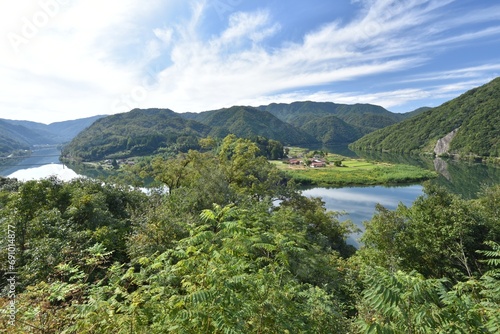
[(316, 162)]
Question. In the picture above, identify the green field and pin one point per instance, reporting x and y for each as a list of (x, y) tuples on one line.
[(354, 172)]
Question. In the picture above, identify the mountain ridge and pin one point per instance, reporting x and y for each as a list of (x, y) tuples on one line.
[(474, 115), (18, 134)]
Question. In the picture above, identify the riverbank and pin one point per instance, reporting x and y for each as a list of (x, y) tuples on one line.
[(351, 172)]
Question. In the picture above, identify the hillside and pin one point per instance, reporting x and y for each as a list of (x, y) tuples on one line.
[(67, 130), (15, 134), (14, 137), (137, 132), (141, 132), (473, 117), (247, 122), (7, 144), (415, 112), (365, 117), (331, 129)]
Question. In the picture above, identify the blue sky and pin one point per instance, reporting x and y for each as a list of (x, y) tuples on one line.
[(67, 59)]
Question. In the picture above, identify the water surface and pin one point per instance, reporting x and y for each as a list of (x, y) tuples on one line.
[(359, 202)]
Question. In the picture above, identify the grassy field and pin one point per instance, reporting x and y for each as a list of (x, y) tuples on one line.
[(354, 172)]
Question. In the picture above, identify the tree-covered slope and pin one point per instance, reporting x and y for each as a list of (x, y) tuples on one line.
[(248, 122), (365, 118), (34, 133), (331, 129), (475, 115), (67, 130), (413, 113), (136, 132), (13, 137), (8, 145)]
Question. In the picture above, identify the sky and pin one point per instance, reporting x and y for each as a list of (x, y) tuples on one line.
[(69, 59)]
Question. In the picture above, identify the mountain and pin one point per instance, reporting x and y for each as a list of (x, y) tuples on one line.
[(466, 125), (7, 142), (414, 112), (364, 117), (58, 132), (14, 137), (138, 132), (142, 132), (249, 122), (331, 129)]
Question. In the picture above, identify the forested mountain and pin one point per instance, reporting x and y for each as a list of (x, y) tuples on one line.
[(58, 132), (16, 134), (415, 112), (247, 122), (366, 117), (138, 132), (7, 144), (471, 121), (331, 129), (144, 132), (14, 137), (67, 130)]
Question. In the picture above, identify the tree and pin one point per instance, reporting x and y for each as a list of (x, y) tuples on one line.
[(438, 236), (402, 302), (233, 274)]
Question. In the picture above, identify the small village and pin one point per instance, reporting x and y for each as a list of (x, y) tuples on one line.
[(315, 159)]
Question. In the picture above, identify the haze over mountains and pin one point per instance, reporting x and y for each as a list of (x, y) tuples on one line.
[(15, 135)]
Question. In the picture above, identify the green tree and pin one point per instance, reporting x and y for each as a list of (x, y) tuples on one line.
[(402, 302), (438, 236)]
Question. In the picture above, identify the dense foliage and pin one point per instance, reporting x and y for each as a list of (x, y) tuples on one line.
[(248, 122), (138, 132), (363, 117), (329, 129), (228, 246), (476, 115)]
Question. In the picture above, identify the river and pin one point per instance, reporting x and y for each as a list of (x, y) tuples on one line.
[(358, 203), (42, 163)]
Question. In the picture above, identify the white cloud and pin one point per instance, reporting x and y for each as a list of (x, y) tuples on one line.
[(165, 35), (90, 57)]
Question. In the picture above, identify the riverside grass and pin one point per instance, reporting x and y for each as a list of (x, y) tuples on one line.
[(355, 172)]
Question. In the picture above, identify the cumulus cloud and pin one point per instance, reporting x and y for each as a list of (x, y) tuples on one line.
[(93, 57)]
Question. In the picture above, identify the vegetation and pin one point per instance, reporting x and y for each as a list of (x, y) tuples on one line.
[(97, 258), (152, 131), (342, 171), (476, 115), (14, 138), (352, 114), (248, 122), (16, 135), (139, 132), (9, 146), (329, 129)]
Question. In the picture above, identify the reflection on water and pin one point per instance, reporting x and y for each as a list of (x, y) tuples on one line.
[(38, 158), (42, 163), (466, 179), (37, 173), (359, 202)]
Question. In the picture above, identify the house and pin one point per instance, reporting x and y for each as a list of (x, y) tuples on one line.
[(294, 162), (317, 164)]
